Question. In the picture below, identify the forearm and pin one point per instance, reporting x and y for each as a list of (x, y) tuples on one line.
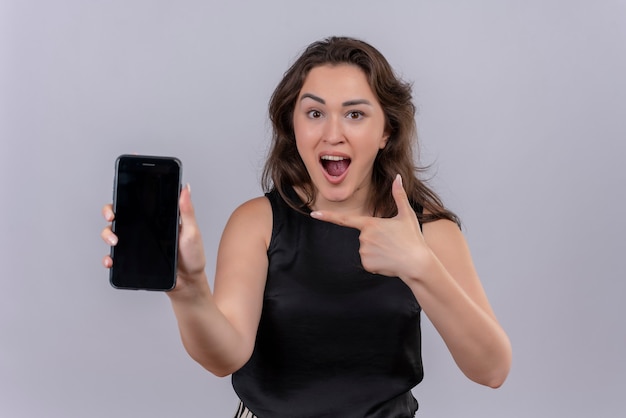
[(207, 335), (478, 344)]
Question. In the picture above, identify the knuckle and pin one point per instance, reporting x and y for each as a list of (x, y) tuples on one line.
[(190, 234)]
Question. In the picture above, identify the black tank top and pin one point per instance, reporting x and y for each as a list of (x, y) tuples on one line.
[(333, 340)]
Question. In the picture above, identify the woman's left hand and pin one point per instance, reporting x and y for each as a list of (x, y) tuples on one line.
[(389, 246)]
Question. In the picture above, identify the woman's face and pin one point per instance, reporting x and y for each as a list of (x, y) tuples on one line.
[(339, 127)]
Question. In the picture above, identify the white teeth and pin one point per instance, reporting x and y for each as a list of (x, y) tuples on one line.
[(332, 157)]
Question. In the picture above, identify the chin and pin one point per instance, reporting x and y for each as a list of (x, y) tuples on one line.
[(336, 194), (336, 191)]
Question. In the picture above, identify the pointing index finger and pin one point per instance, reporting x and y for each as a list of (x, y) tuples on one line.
[(351, 221)]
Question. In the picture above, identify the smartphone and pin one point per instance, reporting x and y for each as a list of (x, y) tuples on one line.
[(145, 202)]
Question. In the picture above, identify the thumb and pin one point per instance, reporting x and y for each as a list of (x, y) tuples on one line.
[(187, 213), (401, 198)]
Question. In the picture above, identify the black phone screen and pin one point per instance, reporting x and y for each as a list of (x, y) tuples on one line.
[(145, 203)]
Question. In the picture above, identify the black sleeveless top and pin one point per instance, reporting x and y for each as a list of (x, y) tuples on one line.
[(333, 340)]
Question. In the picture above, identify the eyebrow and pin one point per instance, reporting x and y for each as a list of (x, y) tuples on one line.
[(344, 104)]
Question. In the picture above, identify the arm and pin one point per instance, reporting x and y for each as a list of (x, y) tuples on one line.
[(452, 296), (437, 267), (218, 329)]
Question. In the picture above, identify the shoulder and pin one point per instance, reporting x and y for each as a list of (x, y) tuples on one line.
[(252, 218), (443, 234), (445, 239), (257, 206), (449, 245)]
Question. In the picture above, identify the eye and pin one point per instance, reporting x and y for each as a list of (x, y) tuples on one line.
[(314, 114), (355, 115)]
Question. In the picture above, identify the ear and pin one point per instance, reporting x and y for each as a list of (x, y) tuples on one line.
[(383, 140)]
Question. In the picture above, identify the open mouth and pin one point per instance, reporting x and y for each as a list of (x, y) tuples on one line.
[(335, 165)]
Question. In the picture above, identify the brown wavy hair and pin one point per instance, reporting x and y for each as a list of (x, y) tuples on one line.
[(284, 167)]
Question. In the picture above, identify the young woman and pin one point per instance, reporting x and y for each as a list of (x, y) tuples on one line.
[(320, 283)]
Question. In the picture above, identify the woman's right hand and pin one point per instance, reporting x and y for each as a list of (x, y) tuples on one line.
[(191, 257), (107, 234)]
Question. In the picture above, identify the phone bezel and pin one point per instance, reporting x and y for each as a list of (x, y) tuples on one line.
[(144, 161)]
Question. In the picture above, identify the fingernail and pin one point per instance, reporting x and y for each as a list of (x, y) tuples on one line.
[(188, 186), (113, 240), (398, 176), (316, 214)]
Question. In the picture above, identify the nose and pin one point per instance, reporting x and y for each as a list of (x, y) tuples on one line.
[(333, 131)]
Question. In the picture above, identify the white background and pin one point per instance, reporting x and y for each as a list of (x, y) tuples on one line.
[(521, 111)]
